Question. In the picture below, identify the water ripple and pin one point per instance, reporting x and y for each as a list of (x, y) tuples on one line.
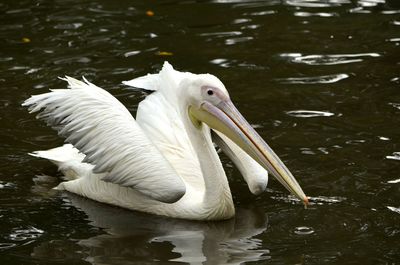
[(247, 3), (395, 105), (221, 62), (7, 245), (393, 39), (325, 200), (221, 34), (327, 59), (225, 63), (394, 156), (394, 181), (309, 113), (68, 26), (6, 185), (318, 14), (233, 41), (355, 141), (390, 12), (319, 200), (303, 230), (316, 3), (73, 60), (370, 3), (359, 10), (323, 79), (131, 53), (241, 20), (262, 13), (6, 59), (23, 234), (319, 150), (394, 209)]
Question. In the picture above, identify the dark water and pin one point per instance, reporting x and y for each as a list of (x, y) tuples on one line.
[(318, 79)]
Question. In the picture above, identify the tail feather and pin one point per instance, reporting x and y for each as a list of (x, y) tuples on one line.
[(68, 159), (60, 154)]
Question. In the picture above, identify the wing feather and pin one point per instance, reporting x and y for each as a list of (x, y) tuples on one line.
[(99, 126)]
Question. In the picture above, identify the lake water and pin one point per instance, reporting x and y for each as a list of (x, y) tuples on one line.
[(318, 79)]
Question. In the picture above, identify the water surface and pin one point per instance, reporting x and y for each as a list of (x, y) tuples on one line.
[(319, 80)]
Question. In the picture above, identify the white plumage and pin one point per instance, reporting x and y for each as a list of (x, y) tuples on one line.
[(164, 162)]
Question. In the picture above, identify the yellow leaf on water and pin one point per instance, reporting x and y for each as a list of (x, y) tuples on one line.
[(149, 13), (160, 53), (26, 40)]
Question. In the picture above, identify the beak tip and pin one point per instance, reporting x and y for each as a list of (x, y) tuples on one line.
[(306, 202)]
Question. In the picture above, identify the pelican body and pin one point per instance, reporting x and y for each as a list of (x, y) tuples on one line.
[(163, 162)]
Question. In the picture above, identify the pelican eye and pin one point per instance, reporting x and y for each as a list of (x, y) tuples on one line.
[(210, 92)]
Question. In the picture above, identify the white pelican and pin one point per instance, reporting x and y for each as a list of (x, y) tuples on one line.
[(164, 162)]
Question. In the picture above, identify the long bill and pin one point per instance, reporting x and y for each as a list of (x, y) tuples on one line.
[(226, 119)]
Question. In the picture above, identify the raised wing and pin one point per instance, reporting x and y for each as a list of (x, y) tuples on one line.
[(99, 126)]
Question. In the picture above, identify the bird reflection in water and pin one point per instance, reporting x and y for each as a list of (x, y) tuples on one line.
[(133, 237)]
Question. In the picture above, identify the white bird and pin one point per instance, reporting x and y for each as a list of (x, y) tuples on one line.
[(164, 162)]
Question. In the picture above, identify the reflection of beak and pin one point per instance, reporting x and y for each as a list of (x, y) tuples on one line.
[(227, 119)]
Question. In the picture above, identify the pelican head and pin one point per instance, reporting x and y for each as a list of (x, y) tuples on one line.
[(209, 103)]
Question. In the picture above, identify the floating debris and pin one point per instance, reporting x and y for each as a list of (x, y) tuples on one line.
[(161, 53)]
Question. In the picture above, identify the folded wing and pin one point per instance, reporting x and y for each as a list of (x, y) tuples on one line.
[(99, 126)]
